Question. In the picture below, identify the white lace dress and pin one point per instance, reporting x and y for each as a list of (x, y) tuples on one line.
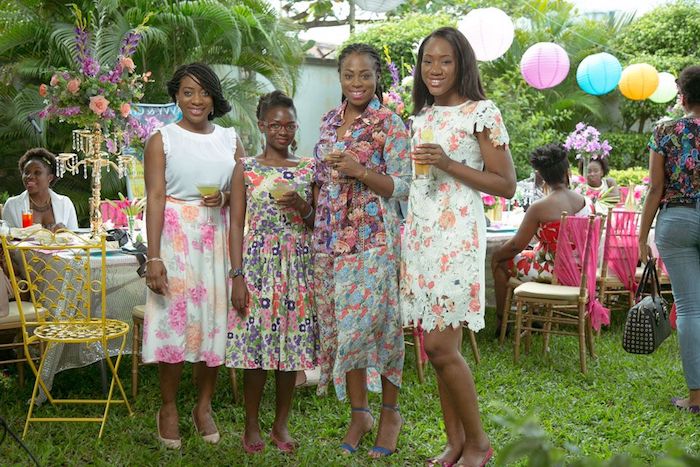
[(444, 244)]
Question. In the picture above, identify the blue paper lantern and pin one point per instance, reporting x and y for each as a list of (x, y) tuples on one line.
[(599, 74)]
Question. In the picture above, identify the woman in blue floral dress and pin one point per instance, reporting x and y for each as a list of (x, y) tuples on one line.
[(274, 326)]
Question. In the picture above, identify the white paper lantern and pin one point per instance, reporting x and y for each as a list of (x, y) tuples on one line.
[(489, 31), (666, 90), (378, 6), (544, 65)]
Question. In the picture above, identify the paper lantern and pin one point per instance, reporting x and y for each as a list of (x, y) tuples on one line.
[(639, 81), (378, 6), (598, 74), (489, 31), (544, 65), (666, 90)]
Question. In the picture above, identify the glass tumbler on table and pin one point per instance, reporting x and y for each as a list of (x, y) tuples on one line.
[(208, 189), (27, 218)]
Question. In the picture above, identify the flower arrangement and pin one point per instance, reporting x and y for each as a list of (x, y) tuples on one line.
[(94, 94), (129, 207), (398, 98), (585, 140), (602, 198)]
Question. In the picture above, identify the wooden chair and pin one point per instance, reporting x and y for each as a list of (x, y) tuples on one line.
[(417, 343), (11, 328), (620, 242), (559, 305), (137, 314), (508, 314), (66, 316)]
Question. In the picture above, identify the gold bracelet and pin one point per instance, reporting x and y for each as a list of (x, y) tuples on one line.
[(364, 175)]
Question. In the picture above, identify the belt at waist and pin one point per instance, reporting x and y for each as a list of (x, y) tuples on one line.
[(682, 204)]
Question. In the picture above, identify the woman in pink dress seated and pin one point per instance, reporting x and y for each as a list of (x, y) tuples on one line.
[(541, 221)]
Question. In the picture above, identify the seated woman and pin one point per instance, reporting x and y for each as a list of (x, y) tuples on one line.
[(597, 181), (51, 210), (541, 221)]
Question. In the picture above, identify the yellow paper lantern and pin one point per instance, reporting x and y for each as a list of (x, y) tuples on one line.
[(639, 81)]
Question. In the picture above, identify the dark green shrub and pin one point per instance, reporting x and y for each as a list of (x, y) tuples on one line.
[(629, 149)]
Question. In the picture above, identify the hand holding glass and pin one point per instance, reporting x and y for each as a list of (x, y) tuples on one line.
[(423, 171), (208, 189), (280, 188)]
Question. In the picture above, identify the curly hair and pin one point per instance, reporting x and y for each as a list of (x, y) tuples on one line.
[(551, 163), (371, 52), (604, 166), (207, 79), (46, 157), (271, 100), (689, 84)]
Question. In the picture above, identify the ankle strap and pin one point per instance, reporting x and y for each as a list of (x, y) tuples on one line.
[(360, 409), (395, 408)]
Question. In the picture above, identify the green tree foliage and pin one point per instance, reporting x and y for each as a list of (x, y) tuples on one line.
[(667, 38)]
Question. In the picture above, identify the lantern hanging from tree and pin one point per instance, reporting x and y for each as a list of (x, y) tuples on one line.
[(489, 31), (639, 81), (544, 65), (666, 90), (378, 6), (598, 74)]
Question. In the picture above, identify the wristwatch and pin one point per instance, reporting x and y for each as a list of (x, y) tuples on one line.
[(233, 273)]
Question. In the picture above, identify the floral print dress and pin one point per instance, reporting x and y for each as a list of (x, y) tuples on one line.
[(356, 244), (280, 331), (677, 142), (444, 248)]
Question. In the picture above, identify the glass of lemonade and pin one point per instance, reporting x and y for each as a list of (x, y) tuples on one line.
[(280, 188), (423, 171), (208, 189)]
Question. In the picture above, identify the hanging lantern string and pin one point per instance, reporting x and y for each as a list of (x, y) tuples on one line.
[(604, 47)]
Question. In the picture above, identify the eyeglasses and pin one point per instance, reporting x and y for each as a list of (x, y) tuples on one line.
[(276, 127)]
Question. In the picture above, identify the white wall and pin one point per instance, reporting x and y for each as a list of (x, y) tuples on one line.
[(318, 92)]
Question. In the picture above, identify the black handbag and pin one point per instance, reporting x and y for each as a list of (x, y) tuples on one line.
[(647, 324)]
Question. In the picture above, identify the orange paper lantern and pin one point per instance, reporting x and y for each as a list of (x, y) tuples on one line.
[(639, 81)]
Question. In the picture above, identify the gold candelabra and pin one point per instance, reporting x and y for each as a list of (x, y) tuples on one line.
[(89, 143)]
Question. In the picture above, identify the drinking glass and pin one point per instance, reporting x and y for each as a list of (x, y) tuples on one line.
[(27, 218), (325, 150), (208, 189), (280, 188), (423, 135)]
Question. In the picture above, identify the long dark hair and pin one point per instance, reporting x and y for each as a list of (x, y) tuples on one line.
[(468, 79), (364, 49), (205, 77)]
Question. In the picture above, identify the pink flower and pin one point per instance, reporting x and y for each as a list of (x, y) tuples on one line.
[(54, 80), (43, 90), (488, 199), (170, 354), (578, 179), (128, 63), (177, 315), (124, 109), (98, 104), (73, 85), (211, 358), (645, 180), (197, 294)]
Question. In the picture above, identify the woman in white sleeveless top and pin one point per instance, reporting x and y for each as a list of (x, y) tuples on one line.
[(188, 261)]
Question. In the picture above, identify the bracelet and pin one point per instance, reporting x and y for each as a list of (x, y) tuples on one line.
[(364, 175), (154, 259), (311, 211)]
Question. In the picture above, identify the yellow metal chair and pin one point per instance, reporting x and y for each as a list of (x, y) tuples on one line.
[(58, 277)]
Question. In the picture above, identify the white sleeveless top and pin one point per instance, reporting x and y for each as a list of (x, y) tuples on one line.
[(195, 158)]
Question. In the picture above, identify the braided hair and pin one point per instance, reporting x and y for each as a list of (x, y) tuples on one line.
[(207, 79), (271, 100), (551, 163), (371, 52)]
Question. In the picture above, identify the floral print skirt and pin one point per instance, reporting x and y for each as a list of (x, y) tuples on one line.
[(189, 323), (360, 323), (280, 330), (532, 266)]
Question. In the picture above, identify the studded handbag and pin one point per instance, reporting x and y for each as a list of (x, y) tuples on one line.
[(647, 324)]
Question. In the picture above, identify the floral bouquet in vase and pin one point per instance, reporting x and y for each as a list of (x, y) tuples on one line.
[(398, 98), (585, 142), (492, 207)]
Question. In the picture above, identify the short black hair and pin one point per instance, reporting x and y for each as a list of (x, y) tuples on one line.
[(205, 77), (364, 49), (272, 100), (46, 157), (551, 163), (689, 84), (603, 161), (467, 72)]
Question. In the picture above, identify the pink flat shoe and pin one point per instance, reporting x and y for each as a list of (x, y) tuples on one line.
[(287, 447), (168, 443), (487, 457), (212, 438), (253, 448)]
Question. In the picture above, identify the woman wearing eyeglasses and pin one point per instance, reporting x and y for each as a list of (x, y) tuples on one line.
[(274, 327)]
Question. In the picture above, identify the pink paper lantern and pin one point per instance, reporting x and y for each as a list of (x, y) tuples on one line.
[(544, 65)]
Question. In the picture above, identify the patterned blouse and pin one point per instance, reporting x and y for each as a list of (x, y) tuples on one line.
[(678, 141), (351, 218)]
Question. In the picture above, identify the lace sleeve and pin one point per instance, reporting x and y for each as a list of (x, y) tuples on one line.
[(488, 116)]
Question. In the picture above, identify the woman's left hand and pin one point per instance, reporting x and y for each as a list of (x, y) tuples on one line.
[(431, 154), (213, 201), (291, 199), (345, 163)]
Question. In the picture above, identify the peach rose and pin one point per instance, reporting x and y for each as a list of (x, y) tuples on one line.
[(146, 76), (128, 63), (73, 86), (98, 104), (43, 90), (54, 80), (124, 109)]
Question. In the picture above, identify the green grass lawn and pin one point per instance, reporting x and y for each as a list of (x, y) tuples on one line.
[(621, 406)]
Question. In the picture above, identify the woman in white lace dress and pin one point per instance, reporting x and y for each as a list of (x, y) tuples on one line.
[(444, 247)]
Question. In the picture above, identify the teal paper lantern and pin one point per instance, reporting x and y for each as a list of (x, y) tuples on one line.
[(598, 74)]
